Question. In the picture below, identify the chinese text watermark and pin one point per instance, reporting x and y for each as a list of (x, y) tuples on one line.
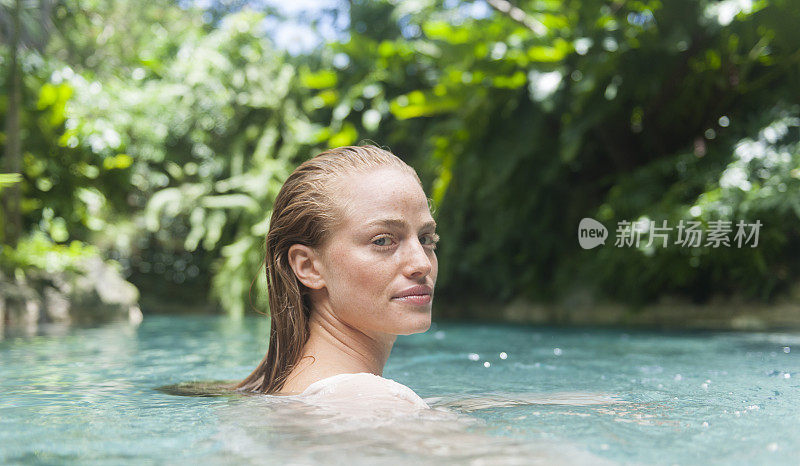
[(686, 234)]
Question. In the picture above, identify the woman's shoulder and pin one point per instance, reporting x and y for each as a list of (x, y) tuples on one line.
[(361, 386), (357, 381)]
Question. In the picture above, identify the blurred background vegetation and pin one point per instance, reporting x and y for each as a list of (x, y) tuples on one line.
[(156, 134)]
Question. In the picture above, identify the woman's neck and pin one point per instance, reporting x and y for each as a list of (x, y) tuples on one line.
[(334, 347)]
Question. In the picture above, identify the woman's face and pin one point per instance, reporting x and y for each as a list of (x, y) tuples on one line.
[(384, 246)]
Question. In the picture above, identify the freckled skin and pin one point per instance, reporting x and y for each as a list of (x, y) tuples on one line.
[(354, 276), (362, 277)]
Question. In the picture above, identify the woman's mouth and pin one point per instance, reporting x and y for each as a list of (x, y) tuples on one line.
[(418, 295), (415, 299)]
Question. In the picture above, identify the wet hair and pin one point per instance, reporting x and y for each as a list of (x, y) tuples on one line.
[(306, 213)]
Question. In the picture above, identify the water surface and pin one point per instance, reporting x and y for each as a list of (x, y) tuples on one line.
[(502, 395)]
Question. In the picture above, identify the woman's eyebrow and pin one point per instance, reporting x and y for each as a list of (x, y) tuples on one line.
[(399, 223)]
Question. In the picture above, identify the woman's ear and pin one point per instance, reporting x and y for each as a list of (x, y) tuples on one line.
[(304, 261)]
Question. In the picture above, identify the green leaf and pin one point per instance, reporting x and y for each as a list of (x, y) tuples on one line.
[(345, 137), (117, 162), (442, 30), (230, 201), (320, 80)]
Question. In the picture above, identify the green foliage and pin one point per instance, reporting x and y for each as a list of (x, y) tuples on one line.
[(38, 252), (618, 119), (164, 140), (760, 182), (7, 179)]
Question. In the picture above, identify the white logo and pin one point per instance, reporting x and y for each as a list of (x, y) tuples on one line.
[(591, 233)]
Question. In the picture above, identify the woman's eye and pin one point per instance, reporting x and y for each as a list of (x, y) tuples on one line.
[(431, 240), (384, 241), (426, 240)]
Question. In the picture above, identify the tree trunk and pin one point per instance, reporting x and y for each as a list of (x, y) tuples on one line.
[(11, 195)]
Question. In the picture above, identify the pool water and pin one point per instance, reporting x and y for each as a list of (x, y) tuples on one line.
[(501, 395)]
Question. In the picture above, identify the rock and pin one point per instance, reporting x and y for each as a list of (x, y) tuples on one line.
[(748, 322), (100, 292), (22, 305), (56, 305), (95, 292), (669, 313)]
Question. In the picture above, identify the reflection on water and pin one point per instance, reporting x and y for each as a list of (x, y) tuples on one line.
[(500, 395), (467, 403), (289, 429), (206, 388), (293, 431)]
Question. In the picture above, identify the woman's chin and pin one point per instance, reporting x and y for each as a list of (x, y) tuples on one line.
[(411, 318), (419, 325)]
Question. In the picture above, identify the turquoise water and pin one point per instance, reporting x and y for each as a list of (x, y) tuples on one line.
[(87, 395)]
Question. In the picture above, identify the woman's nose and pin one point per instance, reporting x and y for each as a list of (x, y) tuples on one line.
[(417, 262)]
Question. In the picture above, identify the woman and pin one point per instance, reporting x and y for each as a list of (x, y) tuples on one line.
[(350, 265)]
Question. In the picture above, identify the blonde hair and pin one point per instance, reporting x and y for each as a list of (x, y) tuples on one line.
[(305, 213)]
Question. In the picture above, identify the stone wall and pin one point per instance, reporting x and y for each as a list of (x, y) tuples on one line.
[(668, 313)]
